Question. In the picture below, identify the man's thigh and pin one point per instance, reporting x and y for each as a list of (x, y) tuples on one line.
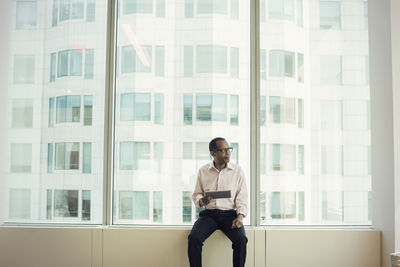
[(234, 234), (203, 227)]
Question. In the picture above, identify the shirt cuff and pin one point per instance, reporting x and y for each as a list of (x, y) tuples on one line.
[(197, 203), (240, 211)]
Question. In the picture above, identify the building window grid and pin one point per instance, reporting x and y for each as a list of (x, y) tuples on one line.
[(342, 199), (73, 10), (77, 62), (70, 109)]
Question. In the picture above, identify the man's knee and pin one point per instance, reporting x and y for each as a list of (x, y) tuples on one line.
[(240, 240), (195, 238)]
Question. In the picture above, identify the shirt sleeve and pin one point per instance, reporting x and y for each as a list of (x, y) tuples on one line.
[(198, 191), (241, 199)]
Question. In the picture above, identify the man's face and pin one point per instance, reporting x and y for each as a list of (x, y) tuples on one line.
[(222, 154)]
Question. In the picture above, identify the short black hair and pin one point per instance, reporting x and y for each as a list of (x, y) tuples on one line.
[(213, 143)]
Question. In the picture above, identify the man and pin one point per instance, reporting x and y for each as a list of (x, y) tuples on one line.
[(225, 214)]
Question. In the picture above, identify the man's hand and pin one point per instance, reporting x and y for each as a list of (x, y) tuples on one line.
[(238, 222), (204, 201)]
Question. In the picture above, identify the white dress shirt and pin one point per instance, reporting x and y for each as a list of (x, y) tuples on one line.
[(230, 178)]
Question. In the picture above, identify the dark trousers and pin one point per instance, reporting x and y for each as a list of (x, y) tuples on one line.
[(208, 222)]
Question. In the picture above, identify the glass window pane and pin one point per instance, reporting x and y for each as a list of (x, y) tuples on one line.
[(276, 9), (300, 113), (20, 204), (329, 15), (263, 8), (137, 6), (159, 60), (275, 109), (234, 62), (90, 10), (187, 108), (203, 107), (314, 118), (189, 5), (63, 62), (234, 109), (276, 63), (22, 113), (57, 69), (234, 9), (87, 158), (127, 104), (186, 207), (188, 61), (75, 63), (89, 64), (331, 70), (24, 69), (26, 14), (72, 156), (61, 109), (263, 64), (50, 151), (55, 13), (219, 107), (53, 67), (73, 108), (158, 108), (211, 59), (211, 6), (88, 110), (49, 204), (125, 205), (21, 158), (175, 91), (299, 8), (76, 9), (141, 205), (141, 111), (187, 150), (160, 8), (64, 9), (158, 206), (300, 68), (263, 110), (86, 205), (66, 203)]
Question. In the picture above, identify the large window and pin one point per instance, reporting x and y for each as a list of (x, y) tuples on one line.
[(182, 75), (55, 121), (315, 132)]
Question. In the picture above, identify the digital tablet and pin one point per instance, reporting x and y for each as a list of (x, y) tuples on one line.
[(218, 194)]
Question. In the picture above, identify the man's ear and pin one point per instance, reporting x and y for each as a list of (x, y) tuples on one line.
[(212, 153)]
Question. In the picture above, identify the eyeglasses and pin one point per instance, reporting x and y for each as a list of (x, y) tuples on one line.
[(225, 150)]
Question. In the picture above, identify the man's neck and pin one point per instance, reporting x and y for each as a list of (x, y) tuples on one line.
[(219, 166)]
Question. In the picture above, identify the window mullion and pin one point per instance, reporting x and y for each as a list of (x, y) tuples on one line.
[(109, 112), (254, 112)]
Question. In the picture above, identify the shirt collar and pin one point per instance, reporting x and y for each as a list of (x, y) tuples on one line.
[(230, 166)]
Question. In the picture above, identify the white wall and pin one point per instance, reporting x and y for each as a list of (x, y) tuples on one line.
[(382, 128), (395, 20), (147, 247), (5, 21)]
